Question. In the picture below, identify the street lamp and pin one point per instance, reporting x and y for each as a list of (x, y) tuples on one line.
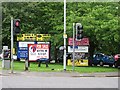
[(64, 36)]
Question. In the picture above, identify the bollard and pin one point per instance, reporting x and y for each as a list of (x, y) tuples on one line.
[(26, 64)]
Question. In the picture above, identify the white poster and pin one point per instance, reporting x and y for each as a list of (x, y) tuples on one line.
[(38, 51), (78, 49), (25, 44)]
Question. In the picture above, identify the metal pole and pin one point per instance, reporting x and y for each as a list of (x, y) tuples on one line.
[(11, 44), (73, 46), (64, 36)]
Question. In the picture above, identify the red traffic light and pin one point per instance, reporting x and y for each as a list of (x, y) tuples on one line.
[(17, 23), (16, 26)]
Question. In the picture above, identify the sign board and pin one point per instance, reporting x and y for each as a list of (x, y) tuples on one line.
[(43, 42), (22, 49), (33, 37), (38, 51), (84, 41), (78, 49), (78, 62), (64, 35)]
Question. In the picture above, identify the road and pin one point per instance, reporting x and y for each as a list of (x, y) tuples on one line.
[(58, 82)]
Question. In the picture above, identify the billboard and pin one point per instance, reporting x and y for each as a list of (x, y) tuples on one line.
[(83, 42), (22, 49), (38, 51), (78, 49)]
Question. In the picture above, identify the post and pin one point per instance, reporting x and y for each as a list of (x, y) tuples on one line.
[(11, 44), (73, 45), (26, 64), (64, 36)]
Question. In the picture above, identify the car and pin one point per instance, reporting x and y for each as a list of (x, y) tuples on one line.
[(117, 60), (102, 59)]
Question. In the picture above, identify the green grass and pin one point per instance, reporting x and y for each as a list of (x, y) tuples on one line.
[(20, 66)]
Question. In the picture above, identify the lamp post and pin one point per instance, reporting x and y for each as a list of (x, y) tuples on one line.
[(11, 44), (64, 36)]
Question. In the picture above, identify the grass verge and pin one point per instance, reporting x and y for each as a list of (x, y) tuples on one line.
[(20, 66)]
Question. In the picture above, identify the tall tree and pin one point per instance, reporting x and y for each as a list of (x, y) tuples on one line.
[(99, 19)]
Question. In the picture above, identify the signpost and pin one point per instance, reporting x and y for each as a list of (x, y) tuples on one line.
[(80, 50), (73, 45)]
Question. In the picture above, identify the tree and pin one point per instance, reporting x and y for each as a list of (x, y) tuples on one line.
[(99, 19), (36, 17), (100, 22)]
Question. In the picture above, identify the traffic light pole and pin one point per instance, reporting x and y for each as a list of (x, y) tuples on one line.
[(11, 44), (73, 46)]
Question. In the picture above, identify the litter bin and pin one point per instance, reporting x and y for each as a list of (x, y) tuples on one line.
[(6, 59), (6, 63)]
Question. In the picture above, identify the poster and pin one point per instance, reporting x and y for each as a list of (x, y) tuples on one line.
[(38, 51), (22, 49), (78, 49)]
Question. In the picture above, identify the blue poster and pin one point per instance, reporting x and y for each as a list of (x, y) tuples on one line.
[(22, 49)]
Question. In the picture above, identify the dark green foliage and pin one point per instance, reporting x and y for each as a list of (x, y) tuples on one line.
[(100, 22)]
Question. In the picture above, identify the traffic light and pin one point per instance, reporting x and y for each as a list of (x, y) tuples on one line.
[(16, 26), (79, 31)]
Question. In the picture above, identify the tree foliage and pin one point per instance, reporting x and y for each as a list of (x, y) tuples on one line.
[(100, 22)]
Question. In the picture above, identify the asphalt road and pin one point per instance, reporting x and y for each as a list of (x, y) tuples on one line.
[(58, 82)]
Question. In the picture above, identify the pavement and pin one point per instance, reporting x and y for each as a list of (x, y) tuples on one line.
[(59, 74)]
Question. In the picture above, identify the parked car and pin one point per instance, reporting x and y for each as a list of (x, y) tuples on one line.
[(117, 60), (102, 59)]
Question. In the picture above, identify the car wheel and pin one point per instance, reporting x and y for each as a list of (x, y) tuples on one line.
[(101, 63)]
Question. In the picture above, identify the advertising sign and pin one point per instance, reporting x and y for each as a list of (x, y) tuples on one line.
[(84, 41), (78, 49), (38, 51), (43, 42), (22, 49)]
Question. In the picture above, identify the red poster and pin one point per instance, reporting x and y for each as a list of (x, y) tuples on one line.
[(38, 51), (84, 41)]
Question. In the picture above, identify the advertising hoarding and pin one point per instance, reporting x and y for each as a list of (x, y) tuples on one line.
[(83, 42), (78, 49), (38, 51), (22, 49)]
